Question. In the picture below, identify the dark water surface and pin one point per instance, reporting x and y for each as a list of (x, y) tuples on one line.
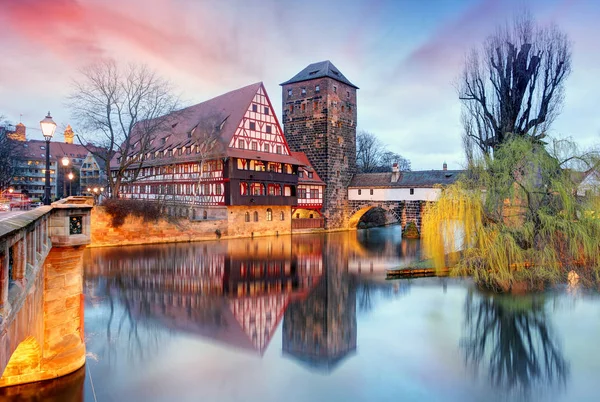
[(311, 318)]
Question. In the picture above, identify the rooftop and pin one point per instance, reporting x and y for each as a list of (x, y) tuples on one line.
[(320, 70), (421, 178)]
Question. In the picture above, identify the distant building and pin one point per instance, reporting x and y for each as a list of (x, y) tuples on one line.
[(31, 163), (92, 173), (589, 184)]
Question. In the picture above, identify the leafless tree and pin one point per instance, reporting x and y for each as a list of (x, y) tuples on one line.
[(207, 137), (514, 84), (120, 110), (372, 157), (9, 149)]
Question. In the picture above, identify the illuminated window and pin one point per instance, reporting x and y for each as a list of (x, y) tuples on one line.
[(282, 217), (255, 216), (269, 214), (247, 217)]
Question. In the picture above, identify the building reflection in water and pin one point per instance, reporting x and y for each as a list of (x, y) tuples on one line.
[(234, 292), (320, 331), (512, 340)]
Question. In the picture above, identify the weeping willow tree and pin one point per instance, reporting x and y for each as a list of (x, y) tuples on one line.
[(519, 219)]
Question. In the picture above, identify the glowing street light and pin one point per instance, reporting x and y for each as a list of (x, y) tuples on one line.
[(65, 163), (48, 126), (70, 183)]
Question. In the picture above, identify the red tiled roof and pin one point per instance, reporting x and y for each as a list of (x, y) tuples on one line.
[(36, 149), (301, 156), (230, 106)]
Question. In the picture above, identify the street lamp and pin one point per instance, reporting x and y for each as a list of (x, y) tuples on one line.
[(70, 183), (48, 126), (11, 190), (65, 163)]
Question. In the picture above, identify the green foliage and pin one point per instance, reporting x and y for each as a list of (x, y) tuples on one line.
[(521, 219)]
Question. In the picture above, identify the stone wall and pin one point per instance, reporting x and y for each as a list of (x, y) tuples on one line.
[(239, 227), (323, 125), (136, 231)]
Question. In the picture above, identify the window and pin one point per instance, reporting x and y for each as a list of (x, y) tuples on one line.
[(310, 175), (279, 149), (289, 92), (241, 144), (412, 191), (371, 191), (315, 105), (359, 191), (303, 107), (282, 216), (301, 193), (243, 188), (303, 91), (334, 89), (267, 110), (255, 216), (347, 94), (317, 88), (252, 125), (268, 129), (314, 193), (300, 173), (254, 146), (266, 147), (291, 108), (342, 108), (254, 107), (269, 214), (247, 217)]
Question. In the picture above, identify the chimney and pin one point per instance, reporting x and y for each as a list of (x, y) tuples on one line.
[(19, 133), (69, 135), (395, 172), (445, 166)]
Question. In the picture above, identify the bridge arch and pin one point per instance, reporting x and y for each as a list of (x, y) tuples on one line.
[(26, 359), (393, 212)]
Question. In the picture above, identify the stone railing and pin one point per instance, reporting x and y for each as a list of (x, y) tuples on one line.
[(41, 300)]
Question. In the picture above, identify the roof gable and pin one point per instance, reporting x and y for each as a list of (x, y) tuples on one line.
[(320, 70)]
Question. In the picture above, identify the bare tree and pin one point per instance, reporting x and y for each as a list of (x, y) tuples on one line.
[(9, 150), (371, 156), (514, 84), (120, 111)]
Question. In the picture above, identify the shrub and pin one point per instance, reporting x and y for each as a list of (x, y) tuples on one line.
[(120, 209)]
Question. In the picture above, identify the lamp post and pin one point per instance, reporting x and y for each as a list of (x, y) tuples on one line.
[(70, 183), (48, 126), (65, 163)]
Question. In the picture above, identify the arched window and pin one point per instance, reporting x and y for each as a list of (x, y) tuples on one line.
[(269, 214), (204, 215), (282, 215), (247, 217), (255, 216)]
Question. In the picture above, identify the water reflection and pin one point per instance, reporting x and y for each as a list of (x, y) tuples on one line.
[(67, 388), (512, 339)]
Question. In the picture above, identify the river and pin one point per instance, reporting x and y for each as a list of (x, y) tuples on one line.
[(311, 318)]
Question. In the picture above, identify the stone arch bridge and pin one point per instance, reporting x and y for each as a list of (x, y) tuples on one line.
[(402, 195)]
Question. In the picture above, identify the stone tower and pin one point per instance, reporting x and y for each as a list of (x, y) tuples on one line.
[(319, 119), (19, 134), (69, 135)]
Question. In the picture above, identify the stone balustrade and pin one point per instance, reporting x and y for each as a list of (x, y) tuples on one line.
[(41, 299)]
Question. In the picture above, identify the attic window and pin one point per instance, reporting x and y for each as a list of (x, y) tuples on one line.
[(289, 92), (335, 72), (190, 134), (303, 91), (317, 88), (252, 125), (267, 111), (334, 89), (313, 72), (310, 175), (254, 107), (268, 129), (174, 125), (347, 94)]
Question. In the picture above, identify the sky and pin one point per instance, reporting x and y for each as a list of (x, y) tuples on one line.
[(404, 55)]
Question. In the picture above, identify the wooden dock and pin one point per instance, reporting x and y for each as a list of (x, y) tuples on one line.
[(414, 272)]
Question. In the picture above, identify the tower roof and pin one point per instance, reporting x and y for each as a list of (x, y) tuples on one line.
[(319, 70)]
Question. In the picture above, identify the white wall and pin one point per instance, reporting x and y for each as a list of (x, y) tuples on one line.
[(394, 194), (591, 184)]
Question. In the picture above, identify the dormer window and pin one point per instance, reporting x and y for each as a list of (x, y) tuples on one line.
[(310, 175), (300, 173)]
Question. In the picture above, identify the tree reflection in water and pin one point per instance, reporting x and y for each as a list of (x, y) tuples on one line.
[(513, 336)]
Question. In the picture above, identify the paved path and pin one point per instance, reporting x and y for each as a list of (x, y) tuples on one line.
[(9, 214)]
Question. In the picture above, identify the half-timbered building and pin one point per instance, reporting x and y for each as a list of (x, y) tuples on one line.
[(226, 158)]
